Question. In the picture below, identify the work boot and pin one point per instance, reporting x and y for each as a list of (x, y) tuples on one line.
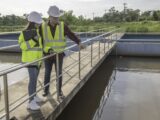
[(60, 97), (45, 94), (33, 105)]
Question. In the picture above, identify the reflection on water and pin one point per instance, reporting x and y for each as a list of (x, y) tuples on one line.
[(130, 91), (105, 97), (134, 96)]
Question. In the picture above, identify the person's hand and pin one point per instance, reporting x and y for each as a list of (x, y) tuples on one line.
[(82, 46)]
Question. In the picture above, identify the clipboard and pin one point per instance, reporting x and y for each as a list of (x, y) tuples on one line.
[(29, 34)]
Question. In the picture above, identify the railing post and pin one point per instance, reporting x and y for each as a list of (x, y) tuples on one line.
[(104, 45), (57, 73), (99, 50), (116, 37), (5, 81), (108, 42), (79, 63), (0, 92), (111, 41), (86, 35), (91, 54)]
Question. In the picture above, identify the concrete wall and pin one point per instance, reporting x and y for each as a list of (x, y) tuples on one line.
[(138, 49)]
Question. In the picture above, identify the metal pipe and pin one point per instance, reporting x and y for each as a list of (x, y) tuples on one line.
[(104, 45), (26, 64), (5, 81), (91, 31), (99, 50), (140, 40), (111, 41), (17, 45), (91, 53), (9, 47), (108, 42), (57, 72), (79, 56)]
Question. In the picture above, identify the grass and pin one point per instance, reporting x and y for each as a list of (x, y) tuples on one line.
[(11, 28), (141, 27), (144, 26)]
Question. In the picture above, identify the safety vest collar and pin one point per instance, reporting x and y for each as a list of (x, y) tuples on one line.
[(46, 39)]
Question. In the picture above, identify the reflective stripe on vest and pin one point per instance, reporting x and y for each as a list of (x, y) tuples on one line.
[(29, 48), (57, 45)]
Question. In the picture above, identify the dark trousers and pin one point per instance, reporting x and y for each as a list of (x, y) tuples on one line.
[(33, 75), (48, 68)]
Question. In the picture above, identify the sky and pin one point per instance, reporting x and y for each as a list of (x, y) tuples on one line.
[(79, 7)]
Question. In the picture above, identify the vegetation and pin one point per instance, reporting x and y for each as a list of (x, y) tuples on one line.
[(129, 19)]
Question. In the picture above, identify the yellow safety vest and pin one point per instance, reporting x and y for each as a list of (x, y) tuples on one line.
[(30, 53), (58, 43)]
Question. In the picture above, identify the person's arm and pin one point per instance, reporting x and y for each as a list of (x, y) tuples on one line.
[(71, 35), (21, 42)]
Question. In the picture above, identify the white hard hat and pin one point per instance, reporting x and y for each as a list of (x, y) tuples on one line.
[(35, 17), (54, 11)]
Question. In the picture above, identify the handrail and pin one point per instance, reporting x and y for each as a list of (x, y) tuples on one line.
[(139, 40), (79, 33), (9, 47), (30, 63)]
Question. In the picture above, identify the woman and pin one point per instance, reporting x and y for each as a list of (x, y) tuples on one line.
[(31, 45)]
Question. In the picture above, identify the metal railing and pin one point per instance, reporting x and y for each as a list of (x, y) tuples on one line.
[(99, 38), (9, 47), (79, 33)]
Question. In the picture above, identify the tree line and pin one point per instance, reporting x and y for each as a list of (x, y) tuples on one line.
[(113, 15), (128, 15)]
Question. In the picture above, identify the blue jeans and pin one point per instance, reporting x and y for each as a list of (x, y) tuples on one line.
[(33, 75), (48, 68)]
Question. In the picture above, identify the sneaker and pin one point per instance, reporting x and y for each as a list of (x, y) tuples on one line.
[(60, 97), (33, 105), (37, 99)]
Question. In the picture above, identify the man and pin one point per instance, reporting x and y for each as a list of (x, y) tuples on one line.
[(53, 34)]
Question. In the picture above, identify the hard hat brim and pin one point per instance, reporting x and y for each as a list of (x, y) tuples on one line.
[(40, 22), (53, 15)]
